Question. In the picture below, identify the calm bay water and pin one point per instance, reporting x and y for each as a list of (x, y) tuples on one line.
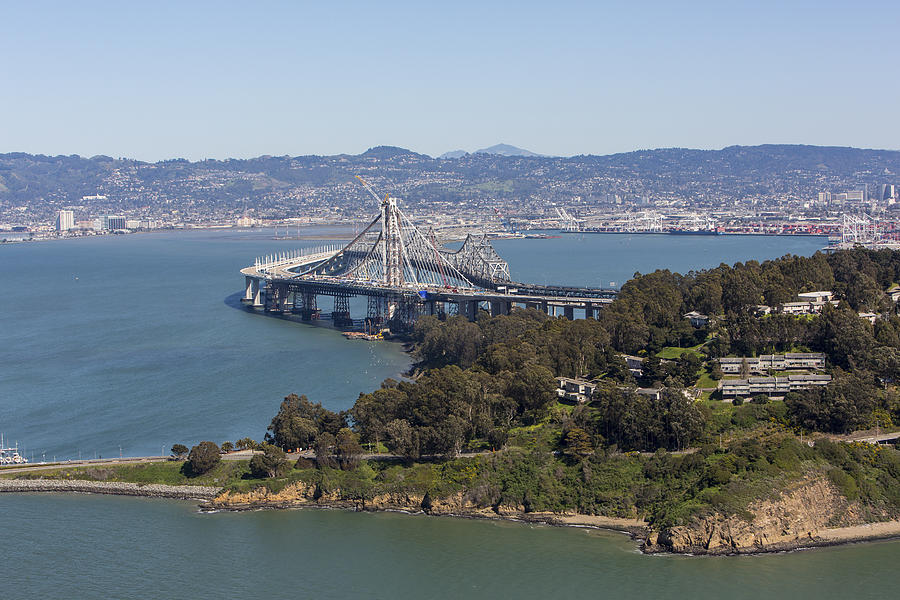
[(140, 548), (140, 342)]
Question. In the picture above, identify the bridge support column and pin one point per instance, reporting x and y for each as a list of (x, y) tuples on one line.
[(545, 308), (248, 292), (309, 311), (277, 297), (569, 312), (469, 308), (498, 307), (257, 294), (588, 310), (341, 314)]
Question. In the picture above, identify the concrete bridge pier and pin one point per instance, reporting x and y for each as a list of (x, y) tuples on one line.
[(277, 298), (589, 311), (569, 312), (257, 294), (499, 307), (248, 292), (469, 308)]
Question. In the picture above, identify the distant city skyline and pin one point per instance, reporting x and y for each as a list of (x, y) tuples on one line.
[(164, 80)]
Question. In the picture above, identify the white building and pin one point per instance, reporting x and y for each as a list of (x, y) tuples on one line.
[(771, 386), (65, 220), (774, 362), (816, 297)]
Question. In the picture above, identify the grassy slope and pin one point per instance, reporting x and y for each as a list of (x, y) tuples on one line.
[(165, 473)]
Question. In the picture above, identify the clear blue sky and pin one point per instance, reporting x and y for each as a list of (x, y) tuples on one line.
[(154, 80)]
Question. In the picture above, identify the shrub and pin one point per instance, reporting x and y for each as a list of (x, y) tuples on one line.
[(844, 482), (203, 457), (271, 463)]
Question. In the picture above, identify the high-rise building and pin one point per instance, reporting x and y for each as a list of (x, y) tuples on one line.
[(888, 191), (113, 222), (65, 220)]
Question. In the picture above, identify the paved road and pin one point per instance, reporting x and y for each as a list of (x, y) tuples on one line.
[(82, 463)]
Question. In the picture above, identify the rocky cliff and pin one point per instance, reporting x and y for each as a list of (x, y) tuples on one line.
[(309, 494), (300, 494), (794, 519)]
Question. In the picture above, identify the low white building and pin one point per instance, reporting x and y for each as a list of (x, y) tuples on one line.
[(774, 362), (893, 293), (575, 390), (771, 386), (697, 319), (816, 297)]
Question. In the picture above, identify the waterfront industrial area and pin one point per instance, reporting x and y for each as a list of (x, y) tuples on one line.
[(844, 193)]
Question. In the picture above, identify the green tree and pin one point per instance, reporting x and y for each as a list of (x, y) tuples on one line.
[(533, 389), (227, 447), (271, 463), (246, 443), (576, 444), (403, 439), (180, 450), (203, 457), (324, 449), (299, 421), (347, 448)]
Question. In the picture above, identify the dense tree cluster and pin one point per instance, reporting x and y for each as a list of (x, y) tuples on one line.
[(299, 422), (477, 380)]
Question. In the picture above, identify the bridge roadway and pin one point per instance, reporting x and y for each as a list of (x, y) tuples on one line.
[(269, 286)]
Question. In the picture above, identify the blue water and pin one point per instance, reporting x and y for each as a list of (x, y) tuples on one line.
[(140, 341), (96, 547)]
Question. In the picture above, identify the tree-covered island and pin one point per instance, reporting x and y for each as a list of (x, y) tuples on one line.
[(487, 427)]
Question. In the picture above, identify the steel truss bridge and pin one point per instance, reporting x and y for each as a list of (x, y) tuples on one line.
[(404, 273)]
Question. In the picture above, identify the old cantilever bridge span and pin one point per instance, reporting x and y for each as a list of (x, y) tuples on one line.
[(404, 273)]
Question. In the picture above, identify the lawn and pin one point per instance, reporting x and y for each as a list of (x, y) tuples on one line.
[(166, 473), (673, 352), (705, 381)]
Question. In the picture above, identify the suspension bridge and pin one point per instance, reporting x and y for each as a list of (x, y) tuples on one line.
[(403, 272)]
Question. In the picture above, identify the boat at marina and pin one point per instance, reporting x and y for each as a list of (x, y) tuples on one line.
[(10, 455)]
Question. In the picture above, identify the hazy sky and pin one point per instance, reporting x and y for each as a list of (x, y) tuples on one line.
[(153, 80)]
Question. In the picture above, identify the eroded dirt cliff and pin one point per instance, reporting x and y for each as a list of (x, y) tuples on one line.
[(793, 519)]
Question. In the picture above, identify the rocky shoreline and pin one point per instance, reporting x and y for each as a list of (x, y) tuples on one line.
[(150, 490), (777, 526)]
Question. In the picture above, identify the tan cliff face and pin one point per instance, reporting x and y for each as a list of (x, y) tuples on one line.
[(306, 494), (792, 520)]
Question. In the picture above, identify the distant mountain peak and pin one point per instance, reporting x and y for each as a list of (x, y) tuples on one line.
[(453, 154), (495, 150), (506, 150), (388, 152)]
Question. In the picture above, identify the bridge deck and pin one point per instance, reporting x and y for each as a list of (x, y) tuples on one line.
[(286, 271)]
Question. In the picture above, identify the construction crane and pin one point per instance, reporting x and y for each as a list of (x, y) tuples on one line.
[(372, 191), (505, 222)]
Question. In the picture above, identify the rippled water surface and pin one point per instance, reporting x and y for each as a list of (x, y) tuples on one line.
[(79, 546)]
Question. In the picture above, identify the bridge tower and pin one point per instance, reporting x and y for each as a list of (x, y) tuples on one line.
[(392, 242)]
